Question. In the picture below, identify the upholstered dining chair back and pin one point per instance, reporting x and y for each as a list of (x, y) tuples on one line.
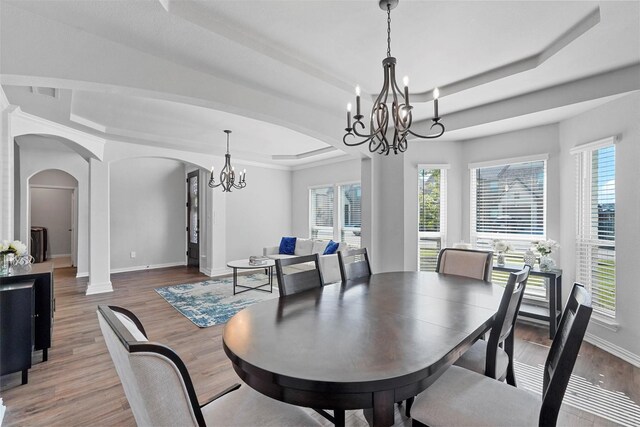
[(299, 278), (354, 263), (564, 352), (466, 262), (505, 320), (154, 378)]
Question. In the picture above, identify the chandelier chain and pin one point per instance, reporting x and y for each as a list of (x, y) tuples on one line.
[(388, 30)]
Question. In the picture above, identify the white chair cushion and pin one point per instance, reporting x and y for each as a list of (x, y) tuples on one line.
[(247, 407), (303, 247), (475, 359), (319, 246), (464, 398)]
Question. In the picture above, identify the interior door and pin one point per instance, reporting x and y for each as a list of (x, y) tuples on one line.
[(193, 220)]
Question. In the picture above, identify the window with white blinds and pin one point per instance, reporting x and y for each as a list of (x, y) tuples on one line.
[(508, 202), (321, 212), (350, 214), (595, 233), (432, 215), (336, 213)]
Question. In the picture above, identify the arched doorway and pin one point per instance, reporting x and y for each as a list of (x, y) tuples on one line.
[(53, 217)]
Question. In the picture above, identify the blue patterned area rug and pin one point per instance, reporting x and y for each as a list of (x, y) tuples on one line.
[(212, 302)]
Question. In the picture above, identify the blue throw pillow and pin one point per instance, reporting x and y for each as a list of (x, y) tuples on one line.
[(332, 248), (287, 246)]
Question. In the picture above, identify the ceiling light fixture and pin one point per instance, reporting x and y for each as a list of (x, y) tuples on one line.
[(401, 113), (228, 174)]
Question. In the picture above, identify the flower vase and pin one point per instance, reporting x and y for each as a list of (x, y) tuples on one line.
[(6, 261), (500, 259), (546, 263), (529, 258)]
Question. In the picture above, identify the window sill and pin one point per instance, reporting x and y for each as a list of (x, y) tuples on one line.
[(605, 322)]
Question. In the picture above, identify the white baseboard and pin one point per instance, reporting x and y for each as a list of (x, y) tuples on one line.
[(99, 288), (60, 256), (83, 274), (147, 267), (218, 272), (617, 351)]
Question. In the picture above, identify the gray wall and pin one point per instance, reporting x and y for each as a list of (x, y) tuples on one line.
[(51, 208), (259, 214), (148, 213)]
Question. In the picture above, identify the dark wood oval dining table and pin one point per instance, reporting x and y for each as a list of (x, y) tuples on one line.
[(366, 343)]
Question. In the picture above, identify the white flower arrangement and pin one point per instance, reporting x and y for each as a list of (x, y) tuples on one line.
[(545, 247), (16, 247), (501, 246)]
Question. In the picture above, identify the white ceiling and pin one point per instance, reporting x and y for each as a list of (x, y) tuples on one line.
[(298, 61)]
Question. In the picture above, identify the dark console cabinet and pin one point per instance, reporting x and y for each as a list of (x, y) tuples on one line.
[(44, 302), (16, 328)]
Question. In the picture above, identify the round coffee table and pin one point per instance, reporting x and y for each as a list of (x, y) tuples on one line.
[(243, 264)]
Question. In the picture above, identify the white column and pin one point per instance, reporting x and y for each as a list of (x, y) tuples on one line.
[(368, 231), (218, 232), (389, 207), (99, 246), (7, 170)]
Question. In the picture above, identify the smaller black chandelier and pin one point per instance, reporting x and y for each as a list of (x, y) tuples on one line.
[(228, 174), (401, 113)]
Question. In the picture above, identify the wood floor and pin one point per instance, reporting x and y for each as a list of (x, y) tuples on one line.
[(79, 386)]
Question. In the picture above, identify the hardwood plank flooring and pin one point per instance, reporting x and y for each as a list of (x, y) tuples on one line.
[(78, 385)]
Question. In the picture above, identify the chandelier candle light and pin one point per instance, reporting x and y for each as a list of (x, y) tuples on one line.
[(401, 113), (228, 174)]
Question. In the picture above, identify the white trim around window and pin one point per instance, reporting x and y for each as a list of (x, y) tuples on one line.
[(511, 161)]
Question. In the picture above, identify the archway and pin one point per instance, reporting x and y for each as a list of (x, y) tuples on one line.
[(53, 217)]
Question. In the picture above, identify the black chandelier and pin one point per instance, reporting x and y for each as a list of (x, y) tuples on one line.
[(400, 108), (228, 174)]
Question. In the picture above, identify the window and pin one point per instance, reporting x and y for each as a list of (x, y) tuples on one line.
[(595, 231), (350, 214), (335, 213), (508, 202), (432, 215), (322, 213)]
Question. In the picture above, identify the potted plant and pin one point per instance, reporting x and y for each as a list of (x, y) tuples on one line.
[(545, 248), (9, 250), (501, 247)]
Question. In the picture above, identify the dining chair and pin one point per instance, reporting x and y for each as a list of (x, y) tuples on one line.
[(159, 388), (463, 397), (466, 262), (494, 357), (298, 280), (354, 263)]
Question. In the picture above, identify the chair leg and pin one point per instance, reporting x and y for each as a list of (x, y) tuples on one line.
[(338, 417), (407, 410), (508, 348)]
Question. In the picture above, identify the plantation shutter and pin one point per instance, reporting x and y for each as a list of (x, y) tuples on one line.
[(321, 213), (595, 223), (432, 215)]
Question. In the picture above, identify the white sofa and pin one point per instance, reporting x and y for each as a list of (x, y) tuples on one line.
[(328, 263)]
